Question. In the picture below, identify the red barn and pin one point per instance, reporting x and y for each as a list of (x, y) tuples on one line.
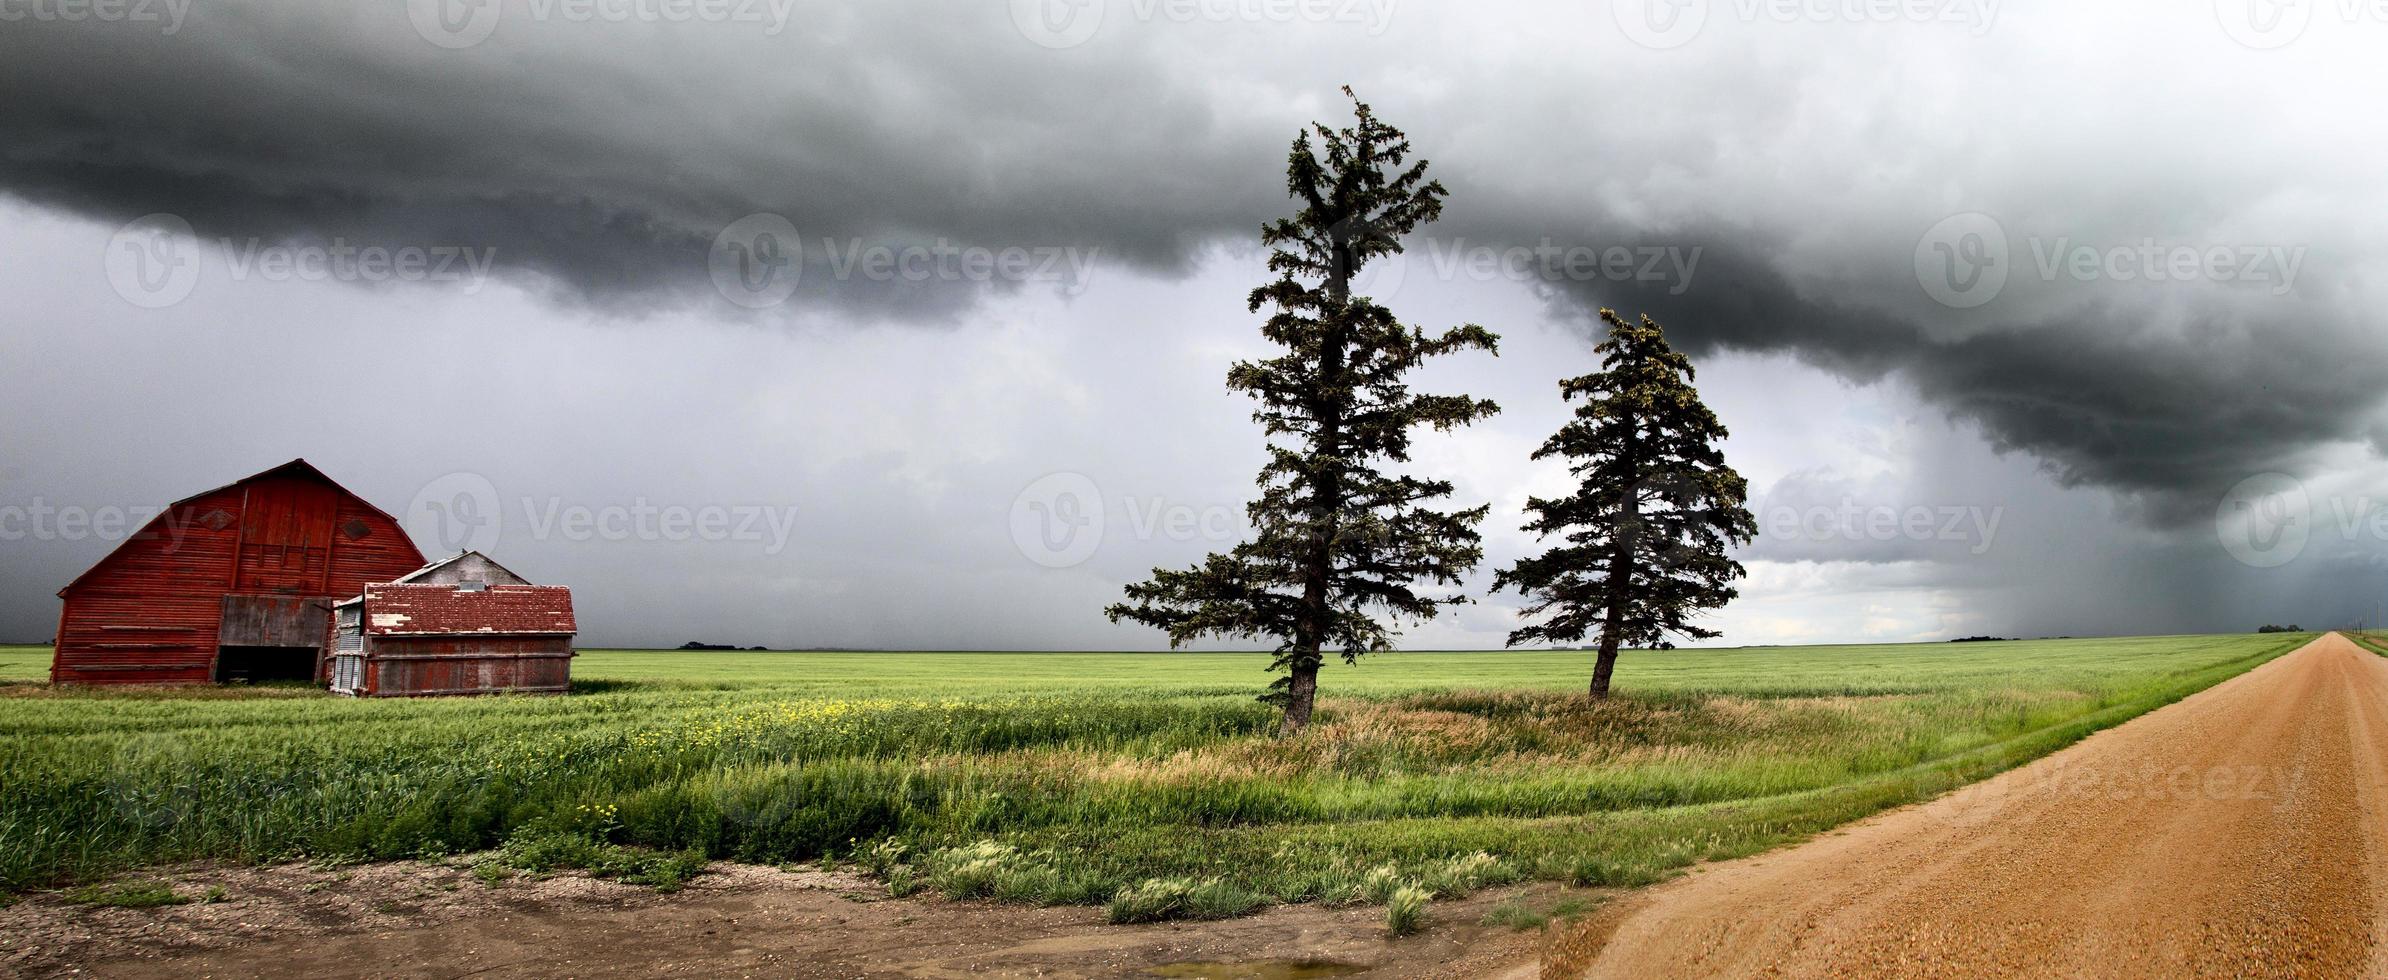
[(235, 583), (462, 625)]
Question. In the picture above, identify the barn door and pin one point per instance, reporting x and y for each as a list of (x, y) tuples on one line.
[(274, 621), (286, 537)]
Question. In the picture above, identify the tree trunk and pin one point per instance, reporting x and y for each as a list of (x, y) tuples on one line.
[(1326, 504), (1607, 662), (1621, 557), (1300, 696)]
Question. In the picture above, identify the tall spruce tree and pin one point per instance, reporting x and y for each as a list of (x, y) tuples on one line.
[(1338, 544), (1646, 531)]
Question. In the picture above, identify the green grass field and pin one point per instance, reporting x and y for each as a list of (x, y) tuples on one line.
[(1068, 777)]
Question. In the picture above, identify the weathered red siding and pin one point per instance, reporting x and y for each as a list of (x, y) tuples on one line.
[(152, 610), (407, 666)]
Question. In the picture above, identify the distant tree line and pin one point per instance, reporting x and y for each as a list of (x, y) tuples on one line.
[(2269, 628)]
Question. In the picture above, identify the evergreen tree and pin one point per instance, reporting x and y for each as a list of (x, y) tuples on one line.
[(1646, 531), (1338, 544)]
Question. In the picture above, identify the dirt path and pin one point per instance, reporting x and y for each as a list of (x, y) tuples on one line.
[(413, 920), (2241, 832)]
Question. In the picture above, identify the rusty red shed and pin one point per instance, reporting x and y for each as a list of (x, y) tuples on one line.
[(464, 625), (234, 583)]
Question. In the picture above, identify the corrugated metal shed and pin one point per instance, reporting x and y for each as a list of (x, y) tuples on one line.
[(464, 625), (250, 568)]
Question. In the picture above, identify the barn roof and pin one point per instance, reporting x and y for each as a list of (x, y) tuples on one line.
[(420, 609), (297, 466), (450, 560), (433, 567)]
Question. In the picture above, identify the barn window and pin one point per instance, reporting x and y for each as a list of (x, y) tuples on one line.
[(356, 530)]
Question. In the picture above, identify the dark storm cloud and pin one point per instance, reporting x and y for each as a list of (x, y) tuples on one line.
[(2167, 407), (605, 158)]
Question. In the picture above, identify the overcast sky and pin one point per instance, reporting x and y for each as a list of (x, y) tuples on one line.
[(903, 325)]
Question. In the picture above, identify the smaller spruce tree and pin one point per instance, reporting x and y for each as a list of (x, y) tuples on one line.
[(1645, 534)]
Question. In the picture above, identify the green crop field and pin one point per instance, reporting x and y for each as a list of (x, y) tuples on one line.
[(1147, 778)]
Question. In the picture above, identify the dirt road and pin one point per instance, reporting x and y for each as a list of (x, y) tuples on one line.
[(2241, 832)]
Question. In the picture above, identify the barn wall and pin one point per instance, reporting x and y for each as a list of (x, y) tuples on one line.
[(149, 612), (152, 610), (403, 666), (286, 537), (383, 553)]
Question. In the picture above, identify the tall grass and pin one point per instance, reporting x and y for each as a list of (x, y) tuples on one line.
[(1145, 780)]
